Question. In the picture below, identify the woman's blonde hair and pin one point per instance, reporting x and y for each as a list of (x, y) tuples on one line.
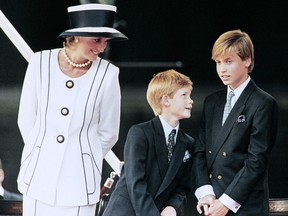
[(234, 41), (165, 83)]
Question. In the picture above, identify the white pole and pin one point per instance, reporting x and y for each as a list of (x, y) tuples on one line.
[(27, 52), (114, 162), (15, 37)]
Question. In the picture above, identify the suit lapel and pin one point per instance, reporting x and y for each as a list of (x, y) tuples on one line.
[(216, 127), (176, 162), (221, 132), (160, 146), (217, 115)]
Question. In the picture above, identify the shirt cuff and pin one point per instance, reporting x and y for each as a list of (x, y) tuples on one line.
[(204, 191), (229, 203)]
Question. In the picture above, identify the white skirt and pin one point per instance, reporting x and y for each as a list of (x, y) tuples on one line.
[(33, 207)]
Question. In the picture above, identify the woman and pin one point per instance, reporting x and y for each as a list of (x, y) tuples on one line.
[(69, 117)]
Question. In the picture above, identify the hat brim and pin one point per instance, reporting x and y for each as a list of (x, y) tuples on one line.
[(114, 35)]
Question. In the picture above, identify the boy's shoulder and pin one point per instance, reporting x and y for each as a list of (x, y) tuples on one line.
[(216, 95), (149, 123), (185, 135), (148, 128)]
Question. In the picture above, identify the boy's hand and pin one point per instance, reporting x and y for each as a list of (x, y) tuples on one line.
[(205, 202), (218, 209), (168, 211)]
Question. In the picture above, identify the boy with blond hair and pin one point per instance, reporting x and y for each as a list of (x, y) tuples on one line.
[(156, 174), (237, 132)]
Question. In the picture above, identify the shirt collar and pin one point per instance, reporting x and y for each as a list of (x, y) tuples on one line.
[(167, 127), (238, 90)]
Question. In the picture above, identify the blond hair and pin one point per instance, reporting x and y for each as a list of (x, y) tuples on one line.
[(234, 41), (165, 83)]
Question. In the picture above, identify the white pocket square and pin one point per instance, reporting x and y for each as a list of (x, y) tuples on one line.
[(187, 156)]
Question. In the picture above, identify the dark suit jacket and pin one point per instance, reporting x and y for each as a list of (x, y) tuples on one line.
[(148, 183), (234, 158)]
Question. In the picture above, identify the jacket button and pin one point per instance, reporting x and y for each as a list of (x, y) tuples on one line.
[(224, 154), (60, 139), (69, 84), (210, 176), (64, 111), (219, 177), (210, 152)]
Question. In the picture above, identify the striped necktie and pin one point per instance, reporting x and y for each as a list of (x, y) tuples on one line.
[(228, 106)]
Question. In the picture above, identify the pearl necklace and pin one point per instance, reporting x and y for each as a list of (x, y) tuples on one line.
[(73, 63)]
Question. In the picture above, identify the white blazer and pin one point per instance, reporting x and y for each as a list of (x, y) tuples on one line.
[(68, 125)]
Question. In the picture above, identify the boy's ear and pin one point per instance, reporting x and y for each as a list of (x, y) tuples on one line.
[(247, 62), (164, 100)]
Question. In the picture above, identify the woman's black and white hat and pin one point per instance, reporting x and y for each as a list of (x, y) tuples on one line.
[(92, 20)]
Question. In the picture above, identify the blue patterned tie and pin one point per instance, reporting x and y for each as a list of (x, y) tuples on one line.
[(171, 144), (228, 106)]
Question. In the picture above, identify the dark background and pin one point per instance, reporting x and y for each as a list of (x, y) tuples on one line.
[(162, 35)]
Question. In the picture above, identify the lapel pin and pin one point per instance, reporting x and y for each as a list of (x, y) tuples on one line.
[(241, 119)]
